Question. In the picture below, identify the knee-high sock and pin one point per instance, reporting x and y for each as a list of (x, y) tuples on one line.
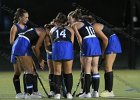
[(82, 81), (108, 81), (29, 83), (35, 83), (87, 83), (57, 81), (68, 82), (95, 81), (16, 82), (51, 81)]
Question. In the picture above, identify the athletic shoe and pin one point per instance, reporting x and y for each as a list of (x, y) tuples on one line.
[(27, 96), (84, 95), (69, 96), (57, 96), (106, 93), (36, 95), (20, 96), (95, 94), (51, 93)]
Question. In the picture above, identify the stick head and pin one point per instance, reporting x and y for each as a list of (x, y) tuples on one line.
[(73, 93), (49, 96)]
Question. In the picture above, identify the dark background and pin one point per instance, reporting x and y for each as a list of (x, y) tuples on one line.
[(116, 12), (112, 11)]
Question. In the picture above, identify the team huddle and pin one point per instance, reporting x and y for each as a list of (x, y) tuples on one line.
[(94, 39)]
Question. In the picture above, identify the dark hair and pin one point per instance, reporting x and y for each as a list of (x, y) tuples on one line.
[(88, 18), (77, 14), (19, 13), (61, 18), (49, 26)]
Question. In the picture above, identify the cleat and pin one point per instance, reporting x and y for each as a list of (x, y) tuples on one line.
[(36, 95), (95, 94), (27, 96), (51, 94), (69, 96), (20, 96), (84, 95), (57, 96), (106, 93)]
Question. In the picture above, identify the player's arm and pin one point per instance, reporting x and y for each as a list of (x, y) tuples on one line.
[(13, 34), (47, 43), (72, 34), (38, 45), (98, 30), (77, 34)]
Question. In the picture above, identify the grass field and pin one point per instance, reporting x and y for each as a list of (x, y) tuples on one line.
[(126, 85)]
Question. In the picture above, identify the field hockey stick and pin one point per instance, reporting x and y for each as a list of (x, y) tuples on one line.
[(37, 77), (36, 63), (78, 84), (41, 82), (62, 87), (11, 11)]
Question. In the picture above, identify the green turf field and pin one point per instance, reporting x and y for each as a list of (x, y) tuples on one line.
[(126, 85)]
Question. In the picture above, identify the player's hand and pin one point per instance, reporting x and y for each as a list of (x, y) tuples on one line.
[(42, 64)]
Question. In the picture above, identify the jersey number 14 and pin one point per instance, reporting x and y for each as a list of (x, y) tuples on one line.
[(61, 33)]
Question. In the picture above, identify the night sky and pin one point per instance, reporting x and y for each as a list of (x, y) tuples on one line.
[(43, 12)]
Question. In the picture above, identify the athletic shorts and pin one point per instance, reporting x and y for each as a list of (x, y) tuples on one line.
[(113, 45), (91, 47), (62, 50), (21, 47)]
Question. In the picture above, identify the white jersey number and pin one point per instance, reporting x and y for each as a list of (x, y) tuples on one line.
[(61, 33), (90, 30)]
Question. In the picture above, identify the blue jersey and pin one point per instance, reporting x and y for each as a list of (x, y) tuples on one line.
[(86, 30), (60, 34), (23, 43), (62, 47), (20, 30), (90, 44), (107, 31), (31, 34)]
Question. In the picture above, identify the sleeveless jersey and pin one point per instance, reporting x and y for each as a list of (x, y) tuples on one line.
[(107, 31), (20, 30), (31, 35), (87, 30), (60, 34)]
